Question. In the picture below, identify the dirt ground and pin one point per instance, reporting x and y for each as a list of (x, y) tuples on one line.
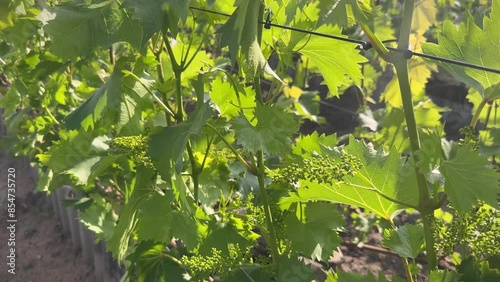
[(42, 253)]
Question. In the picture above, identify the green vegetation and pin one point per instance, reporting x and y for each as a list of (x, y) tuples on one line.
[(175, 106)]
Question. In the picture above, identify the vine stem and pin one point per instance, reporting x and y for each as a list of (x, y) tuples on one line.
[(260, 167), (238, 156), (267, 209), (477, 114), (409, 277), (195, 172), (165, 107), (426, 204)]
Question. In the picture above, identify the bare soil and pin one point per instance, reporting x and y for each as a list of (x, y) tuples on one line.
[(42, 253)]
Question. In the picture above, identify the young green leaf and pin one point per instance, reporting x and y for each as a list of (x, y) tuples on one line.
[(119, 242), (338, 61), (469, 178), (314, 144), (229, 100), (154, 263), (167, 146), (438, 275), (120, 101), (380, 175), (77, 30), (67, 152), (315, 235), (242, 30), (293, 269), (470, 43), (424, 15), (157, 221), (248, 274), (158, 15), (407, 241), (222, 234), (271, 134)]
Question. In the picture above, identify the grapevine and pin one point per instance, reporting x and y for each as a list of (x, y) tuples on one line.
[(196, 114), (478, 230), (135, 147), (320, 169)]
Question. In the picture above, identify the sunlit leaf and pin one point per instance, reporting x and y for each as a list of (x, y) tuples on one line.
[(271, 134), (338, 61), (469, 178), (381, 173), (77, 30), (321, 231), (407, 241), (469, 43), (424, 15)]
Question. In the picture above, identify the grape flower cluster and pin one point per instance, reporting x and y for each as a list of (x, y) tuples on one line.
[(216, 264), (321, 169), (479, 229), (135, 147), (470, 137)]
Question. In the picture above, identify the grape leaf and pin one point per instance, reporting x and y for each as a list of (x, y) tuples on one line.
[(272, 132), (77, 30), (381, 173), (291, 9), (103, 102), (424, 15), (248, 274), (69, 152), (444, 276), (293, 269), (242, 30), (471, 44), (98, 217), (118, 243), (158, 221), (167, 145), (407, 241), (489, 141), (340, 13), (180, 50), (338, 61), (336, 13), (127, 221), (222, 234), (309, 145), (224, 95), (430, 153), (214, 183), (151, 264), (315, 236), (83, 169), (469, 178), (134, 100), (119, 102), (158, 15)]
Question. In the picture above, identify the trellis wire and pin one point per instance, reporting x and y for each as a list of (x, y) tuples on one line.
[(364, 45)]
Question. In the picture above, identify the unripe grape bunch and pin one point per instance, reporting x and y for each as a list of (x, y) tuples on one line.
[(321, 169), (135, 147)]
